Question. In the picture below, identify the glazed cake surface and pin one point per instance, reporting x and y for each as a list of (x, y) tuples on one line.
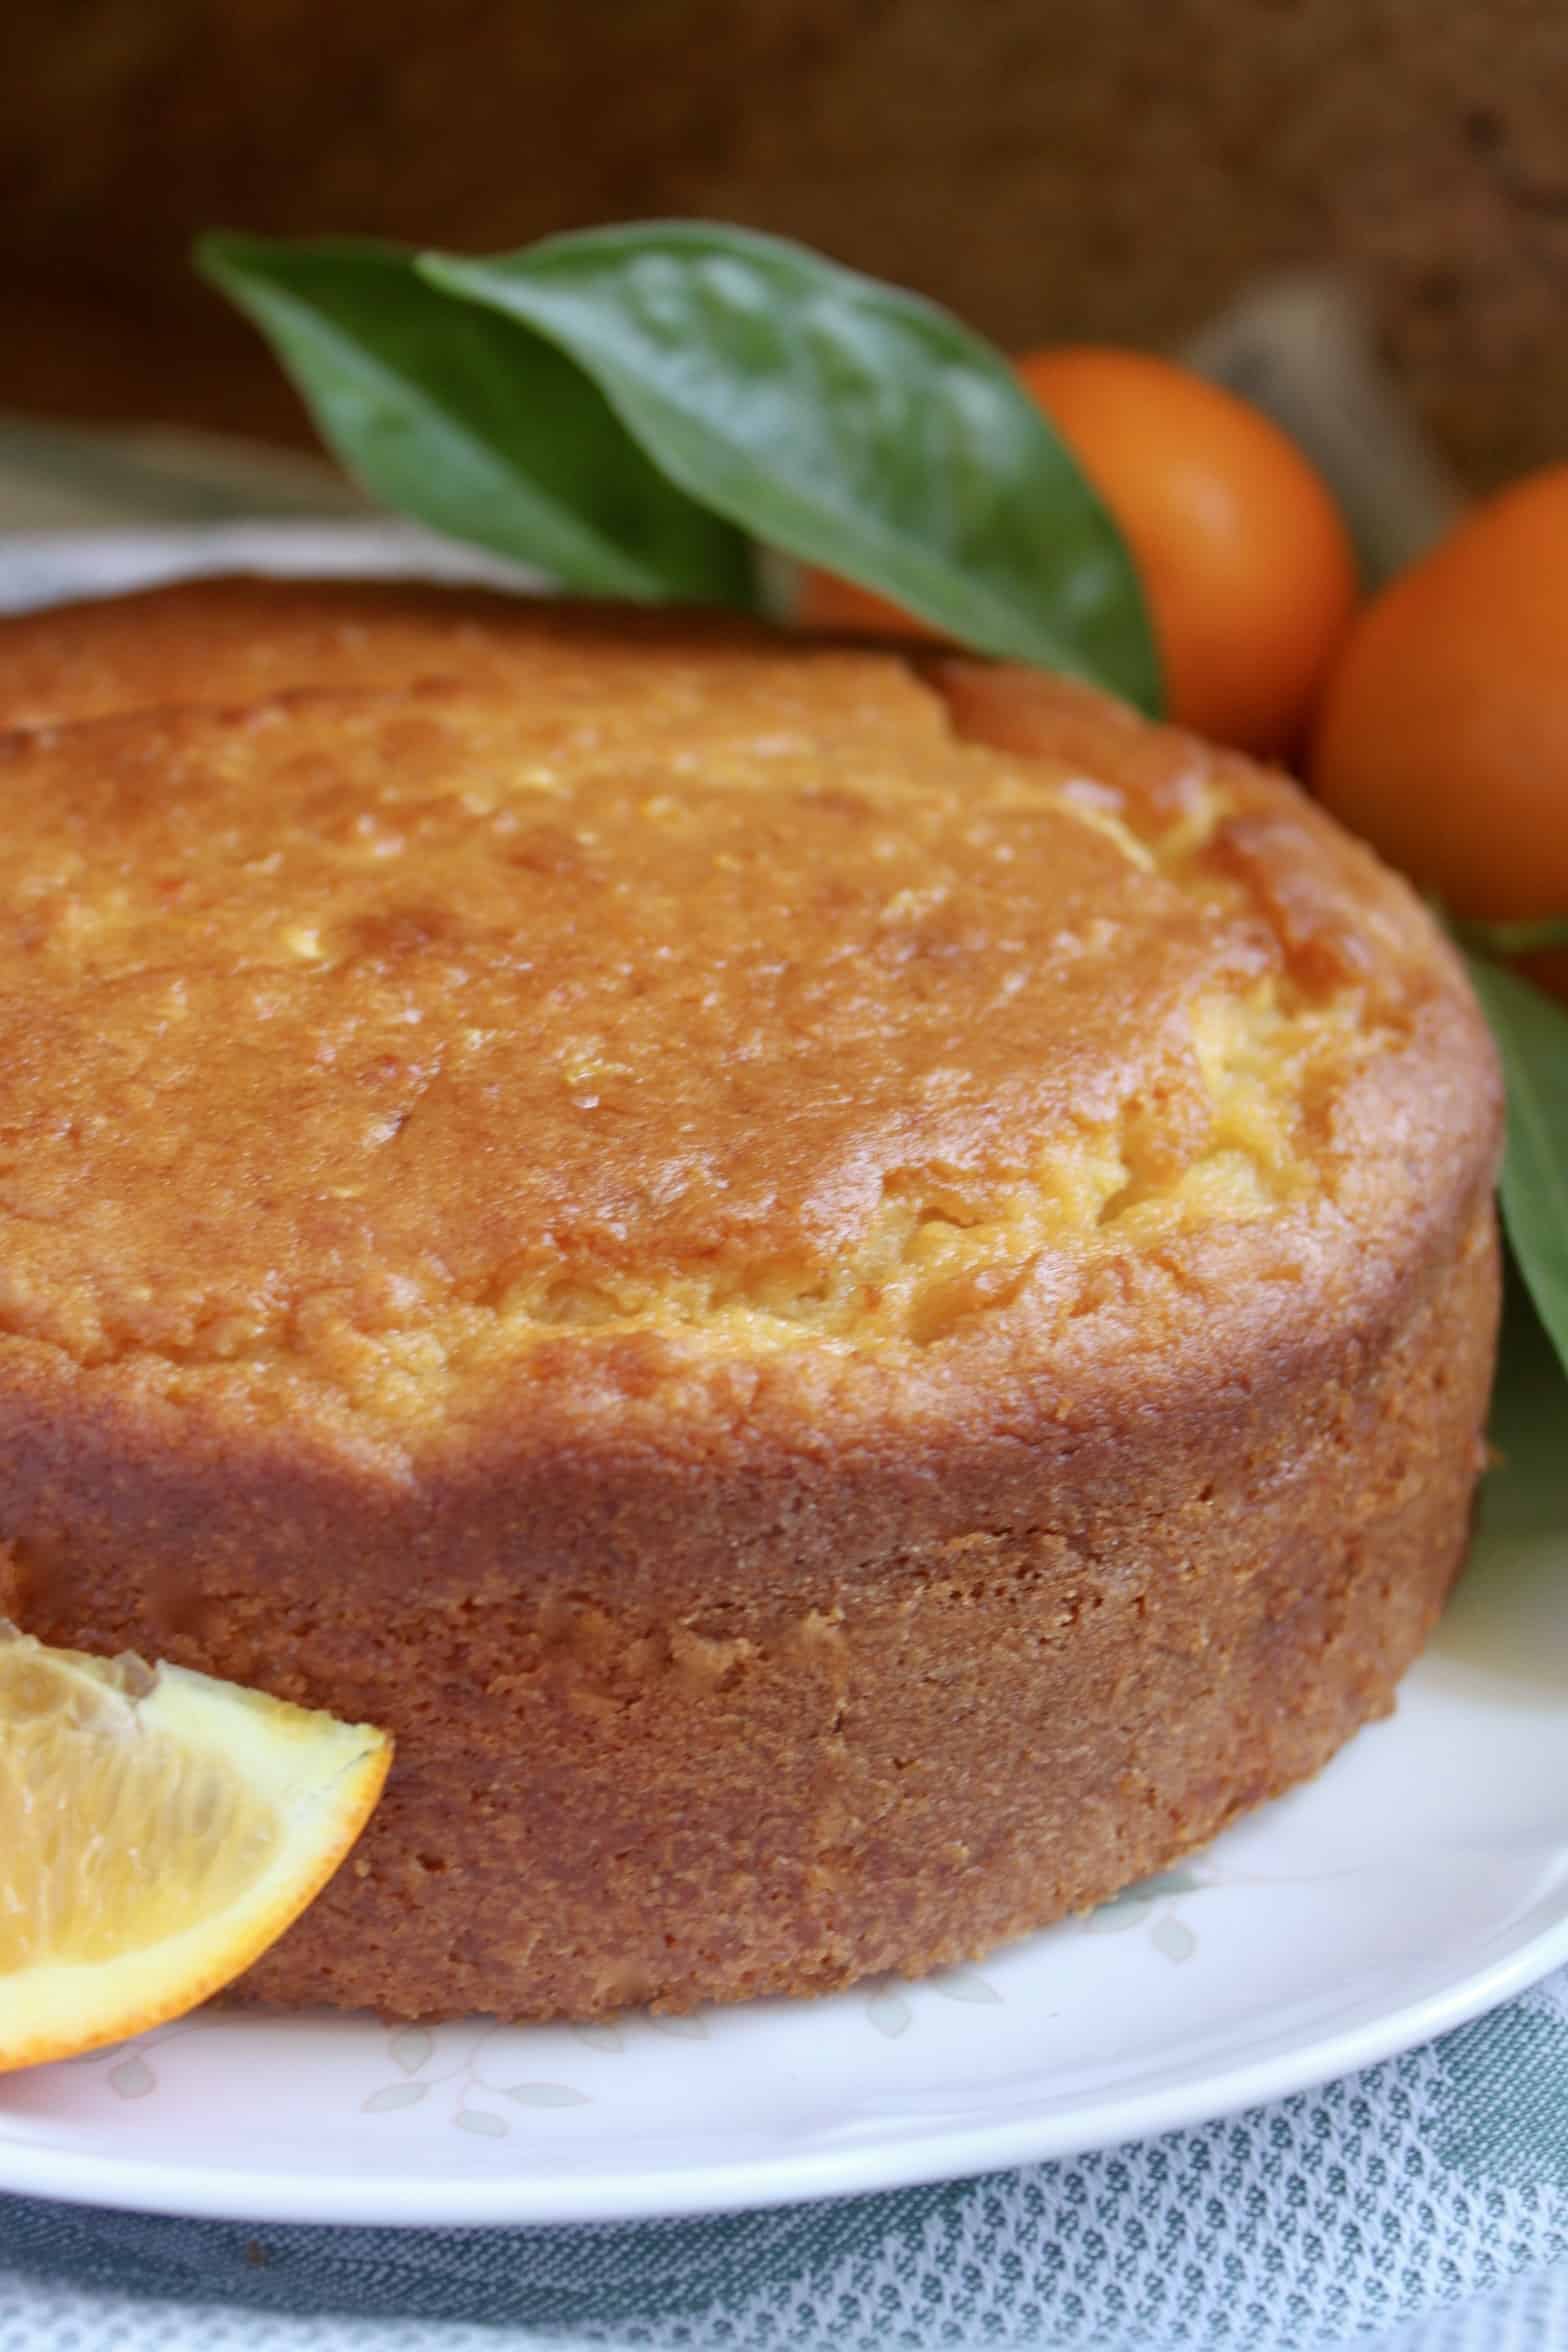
[(854, 1291)]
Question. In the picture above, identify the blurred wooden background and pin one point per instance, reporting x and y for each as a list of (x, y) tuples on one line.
[(1106, 168)]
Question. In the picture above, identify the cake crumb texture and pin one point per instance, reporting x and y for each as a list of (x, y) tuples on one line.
[(855, 1291)]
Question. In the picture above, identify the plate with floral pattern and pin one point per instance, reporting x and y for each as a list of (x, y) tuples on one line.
[(1420, 1879)]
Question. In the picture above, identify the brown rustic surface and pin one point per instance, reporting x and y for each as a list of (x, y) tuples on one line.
[(1049, 171)]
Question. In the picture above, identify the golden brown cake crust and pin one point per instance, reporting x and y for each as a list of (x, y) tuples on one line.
[(736, 960), (237, 639), (856, 1294)]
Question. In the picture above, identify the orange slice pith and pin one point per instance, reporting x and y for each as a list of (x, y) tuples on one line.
[(158, 1831)]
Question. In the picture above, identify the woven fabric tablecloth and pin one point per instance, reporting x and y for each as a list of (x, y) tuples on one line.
[(1369, 2209), (1419, 2207)]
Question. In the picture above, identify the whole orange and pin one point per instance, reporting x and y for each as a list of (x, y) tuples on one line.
[(1243, 554), (1443, 731)]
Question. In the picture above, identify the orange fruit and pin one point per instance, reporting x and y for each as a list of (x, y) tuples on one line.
[(1243, 554), (824, 601), (1443, 731), (161, 1830)]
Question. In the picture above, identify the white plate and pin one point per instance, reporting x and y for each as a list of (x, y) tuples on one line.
[(1419, 1880), (1423, 1877)]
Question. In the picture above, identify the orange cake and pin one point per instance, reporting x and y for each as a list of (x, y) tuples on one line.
[(239, 639), (855, 1292)]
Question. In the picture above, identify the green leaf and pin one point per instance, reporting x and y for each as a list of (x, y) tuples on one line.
[(1524, 1500), (1530, 935), (1532, 1037), (472, 423), (845, 422)]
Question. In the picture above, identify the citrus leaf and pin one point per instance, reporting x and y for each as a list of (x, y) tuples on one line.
[(845, 422), (1529, 935), (473, 424), (1532, 1036)]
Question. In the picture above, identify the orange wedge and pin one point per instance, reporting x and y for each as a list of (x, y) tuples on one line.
[(158, 1830)]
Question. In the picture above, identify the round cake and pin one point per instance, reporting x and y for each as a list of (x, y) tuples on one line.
[(854, 1291)]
